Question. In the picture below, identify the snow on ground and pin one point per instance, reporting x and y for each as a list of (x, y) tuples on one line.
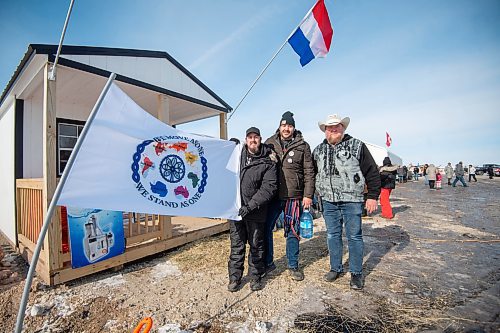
[(162, 270), (112, 281)]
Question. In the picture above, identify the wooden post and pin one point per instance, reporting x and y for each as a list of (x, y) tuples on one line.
[(164, 116), (130, 217), (52, 242), (223, 125)]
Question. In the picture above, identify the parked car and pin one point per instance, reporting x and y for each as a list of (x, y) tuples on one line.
[(496, 170), (481, 170), (484, 169)]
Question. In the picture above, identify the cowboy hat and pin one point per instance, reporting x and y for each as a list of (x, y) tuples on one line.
[(334, 119)]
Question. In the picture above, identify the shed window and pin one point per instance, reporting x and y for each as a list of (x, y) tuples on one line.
[(68, 132)]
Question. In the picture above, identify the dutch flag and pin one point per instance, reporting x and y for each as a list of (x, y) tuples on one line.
[(313, 36)]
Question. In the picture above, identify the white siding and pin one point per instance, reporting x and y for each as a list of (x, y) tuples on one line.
[(73, 111), (32, 138), (7, 175), (156, 71)]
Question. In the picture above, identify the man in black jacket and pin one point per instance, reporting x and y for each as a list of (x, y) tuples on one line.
[(296, 190), (258, 184)]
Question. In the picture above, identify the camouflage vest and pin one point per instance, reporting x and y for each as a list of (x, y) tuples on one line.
[(339, 177)]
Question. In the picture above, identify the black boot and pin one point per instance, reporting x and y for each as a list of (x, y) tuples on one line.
[(256, 284), (356, 281), (234, 286)]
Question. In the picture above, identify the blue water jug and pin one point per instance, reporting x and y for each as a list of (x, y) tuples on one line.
[(306, 224)]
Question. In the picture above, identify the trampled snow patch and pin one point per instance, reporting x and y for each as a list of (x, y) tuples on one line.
[(112, 281), (165, 269), (63, 305)]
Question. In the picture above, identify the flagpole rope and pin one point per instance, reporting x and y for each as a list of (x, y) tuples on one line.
[(52, 206), (268, 64)]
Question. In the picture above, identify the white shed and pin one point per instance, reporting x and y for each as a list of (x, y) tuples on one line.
[(40, 121)]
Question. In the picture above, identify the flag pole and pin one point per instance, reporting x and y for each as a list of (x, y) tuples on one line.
[(257, 79), (52, 75), (52, 206), (268, 64)]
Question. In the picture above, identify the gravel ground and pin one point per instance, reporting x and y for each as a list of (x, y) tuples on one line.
[(435, 268)]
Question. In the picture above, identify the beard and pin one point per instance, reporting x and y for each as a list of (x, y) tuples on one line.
[(254, 149), (334, 139)]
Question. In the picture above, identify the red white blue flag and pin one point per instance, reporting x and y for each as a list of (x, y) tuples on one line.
[(313, 37)]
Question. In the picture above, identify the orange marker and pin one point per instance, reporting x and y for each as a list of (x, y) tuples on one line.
[(148, 321)]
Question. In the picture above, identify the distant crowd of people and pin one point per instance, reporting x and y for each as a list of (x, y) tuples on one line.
[(391, 174), (433, 176)]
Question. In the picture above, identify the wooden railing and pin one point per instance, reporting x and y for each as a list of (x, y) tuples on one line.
[(29, 204), (141, 227)]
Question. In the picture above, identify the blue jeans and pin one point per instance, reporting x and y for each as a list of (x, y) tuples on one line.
[(462, 180), (274, 209), (348, 213), (416, 176)]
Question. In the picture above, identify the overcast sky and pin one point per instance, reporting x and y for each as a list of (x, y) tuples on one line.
[(427, 72)]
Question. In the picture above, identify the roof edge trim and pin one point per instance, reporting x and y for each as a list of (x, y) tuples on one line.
[(112, 51), (104, 73), (51, 50), (30, 53)]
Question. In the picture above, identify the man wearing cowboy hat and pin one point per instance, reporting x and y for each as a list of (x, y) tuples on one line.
[(295, 191), (344, 165)]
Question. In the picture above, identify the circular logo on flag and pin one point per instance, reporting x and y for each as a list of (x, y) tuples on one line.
[(170, 171)]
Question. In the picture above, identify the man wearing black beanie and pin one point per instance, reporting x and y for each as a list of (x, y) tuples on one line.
[(295, 192), (287, 118)]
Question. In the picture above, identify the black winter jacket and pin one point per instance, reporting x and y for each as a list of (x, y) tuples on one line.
[(258, 181), (388, 176), (295, 167)]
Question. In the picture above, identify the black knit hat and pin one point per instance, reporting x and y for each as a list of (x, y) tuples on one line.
[(287, 118)]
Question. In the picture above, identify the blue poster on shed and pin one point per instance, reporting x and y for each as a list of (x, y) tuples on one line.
[(95, 235)]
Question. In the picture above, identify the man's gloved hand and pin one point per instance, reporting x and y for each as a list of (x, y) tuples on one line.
[(244, 210)]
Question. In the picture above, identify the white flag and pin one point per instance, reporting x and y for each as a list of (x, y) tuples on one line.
[(130, 161)]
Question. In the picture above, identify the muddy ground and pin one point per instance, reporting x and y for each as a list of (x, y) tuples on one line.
[(435, 268)]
